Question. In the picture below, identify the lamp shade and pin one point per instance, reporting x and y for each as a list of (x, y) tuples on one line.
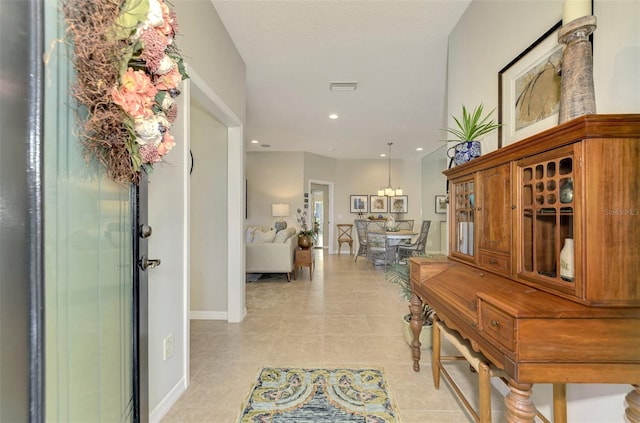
[(279, 210)]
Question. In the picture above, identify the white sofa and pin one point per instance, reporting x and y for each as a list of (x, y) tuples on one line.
[(269, 252)]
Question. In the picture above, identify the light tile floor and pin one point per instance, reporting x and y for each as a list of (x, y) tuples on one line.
[(348, 316)]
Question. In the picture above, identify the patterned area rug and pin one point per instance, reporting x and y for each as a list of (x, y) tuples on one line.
[(295, 395)]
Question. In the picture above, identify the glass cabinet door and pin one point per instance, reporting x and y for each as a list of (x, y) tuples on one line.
[(547, 219), (464, 218)]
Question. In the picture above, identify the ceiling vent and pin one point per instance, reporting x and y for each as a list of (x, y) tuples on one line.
[(343, 86)]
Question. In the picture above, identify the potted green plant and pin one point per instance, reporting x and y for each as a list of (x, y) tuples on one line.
[(398, 274), (469, 128), (305, 236)]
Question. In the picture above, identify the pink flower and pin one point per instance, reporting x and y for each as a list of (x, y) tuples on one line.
[(174, 21), (167, 144), (149, 154), (154, 45), (136, 94), (172, 113), (169, 80), (166, 28)]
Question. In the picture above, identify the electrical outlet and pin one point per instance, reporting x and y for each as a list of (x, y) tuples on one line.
[(167, 344)]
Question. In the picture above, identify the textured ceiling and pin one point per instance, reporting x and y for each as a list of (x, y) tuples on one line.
[(395, 50)]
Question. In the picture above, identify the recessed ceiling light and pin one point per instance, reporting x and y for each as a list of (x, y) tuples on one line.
[(383, 155), (333, 116), (419, 149), (255, 142)]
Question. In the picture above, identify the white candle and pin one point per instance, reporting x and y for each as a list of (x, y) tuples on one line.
[(574, 9)]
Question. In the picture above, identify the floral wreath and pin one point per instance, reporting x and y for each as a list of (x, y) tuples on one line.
[(128, 69)]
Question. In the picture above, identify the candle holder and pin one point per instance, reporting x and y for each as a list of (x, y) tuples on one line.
[(577, 96)]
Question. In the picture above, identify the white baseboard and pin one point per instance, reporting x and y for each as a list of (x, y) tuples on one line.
[(168, 401), (208, 315)]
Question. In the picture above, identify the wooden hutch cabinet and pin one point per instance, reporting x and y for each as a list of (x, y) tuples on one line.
[(543, 272)]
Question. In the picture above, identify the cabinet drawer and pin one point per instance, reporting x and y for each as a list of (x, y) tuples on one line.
[(303, 255), (494, 261), (497, 324)]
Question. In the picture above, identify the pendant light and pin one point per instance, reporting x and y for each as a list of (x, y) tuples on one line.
[(389, 190)]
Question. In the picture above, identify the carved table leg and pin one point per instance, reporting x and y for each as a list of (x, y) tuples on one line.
[(415, 306), (520, 408), (632, 401)]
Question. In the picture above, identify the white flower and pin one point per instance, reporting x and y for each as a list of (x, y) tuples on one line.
[(148, 131), (154, 15), (165, 100), (162, 120), (166, 64)]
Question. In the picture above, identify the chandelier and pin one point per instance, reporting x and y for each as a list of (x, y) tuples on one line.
[(389, 190)]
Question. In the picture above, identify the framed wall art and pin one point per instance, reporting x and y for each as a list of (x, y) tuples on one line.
[(399, 204), (379, 203), (529, 90), (441, 203), (359, 204)]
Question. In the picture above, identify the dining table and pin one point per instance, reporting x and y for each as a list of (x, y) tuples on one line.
[(398, 237)]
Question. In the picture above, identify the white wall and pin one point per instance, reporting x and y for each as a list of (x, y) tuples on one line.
[(278, 177), (479, 48), (208, 262), (487, 37), (433, 183), (274, 178), (364, 177), (207, 48)]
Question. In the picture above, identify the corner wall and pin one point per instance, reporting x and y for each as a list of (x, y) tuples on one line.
[(207, 48)]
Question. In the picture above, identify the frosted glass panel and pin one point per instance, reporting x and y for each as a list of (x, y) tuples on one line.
[(88, 269)]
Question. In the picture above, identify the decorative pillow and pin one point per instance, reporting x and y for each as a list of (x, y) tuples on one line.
[(260, 236), (283, 235), (249, 233)]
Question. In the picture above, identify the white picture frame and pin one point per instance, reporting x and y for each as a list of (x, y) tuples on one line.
[(399, 204), (359, 204), (378, 203), (529, 90)]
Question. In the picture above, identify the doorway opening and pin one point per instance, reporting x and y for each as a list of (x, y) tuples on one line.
[(322, 213)]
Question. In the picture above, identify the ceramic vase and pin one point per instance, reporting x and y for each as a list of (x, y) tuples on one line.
[(566, 191), (304, 241), (567, 268), (425, 333), (465, 151)]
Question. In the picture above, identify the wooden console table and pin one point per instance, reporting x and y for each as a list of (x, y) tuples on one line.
[(536, 312), (304, 257)]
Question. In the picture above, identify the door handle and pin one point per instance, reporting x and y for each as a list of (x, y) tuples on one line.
[(145, 231), (146, 263)]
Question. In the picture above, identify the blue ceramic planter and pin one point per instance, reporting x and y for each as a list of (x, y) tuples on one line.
[(465, 151)]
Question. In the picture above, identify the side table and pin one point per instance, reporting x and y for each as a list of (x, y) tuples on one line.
[(305, 257)]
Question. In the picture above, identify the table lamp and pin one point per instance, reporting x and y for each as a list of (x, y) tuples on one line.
[(280, 210)]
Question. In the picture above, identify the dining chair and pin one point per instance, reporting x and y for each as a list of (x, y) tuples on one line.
[(416, 248), (344, 236), (361, 231), (404, 224), (378, 249)]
